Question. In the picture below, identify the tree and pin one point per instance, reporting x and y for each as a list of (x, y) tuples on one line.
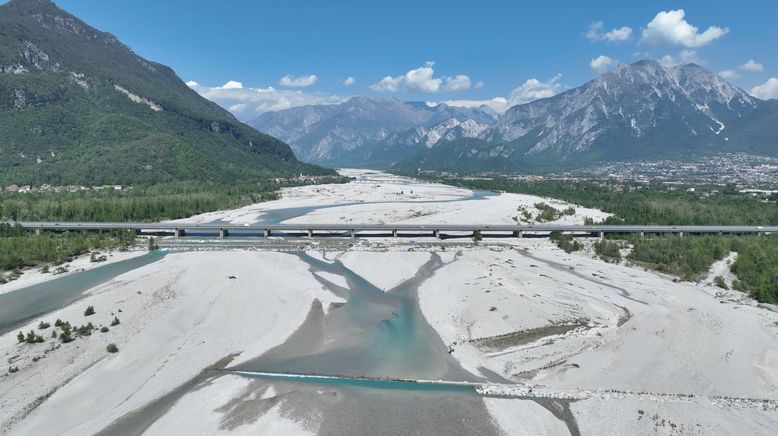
[(20, 336), (90, 310)]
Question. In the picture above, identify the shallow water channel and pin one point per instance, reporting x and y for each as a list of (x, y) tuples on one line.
[(18, 307)]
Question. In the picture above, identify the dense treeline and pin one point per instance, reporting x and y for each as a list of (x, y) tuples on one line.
[(646, 204), (689, 257), (141, 204), (756, 268), (19, 248)]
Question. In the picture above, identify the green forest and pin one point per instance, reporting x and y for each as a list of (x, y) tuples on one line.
[(688, 257), (20, 248)]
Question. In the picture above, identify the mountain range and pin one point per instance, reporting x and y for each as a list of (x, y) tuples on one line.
[(371, 132), (639, 111), (78, 106)]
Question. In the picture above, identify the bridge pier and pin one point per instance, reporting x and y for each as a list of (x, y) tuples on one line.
[(601, 235), (518, 234), (642, 234), (223, 233), (394, 233), (310, 233), (352, 234), (436, 234), (179, 233), (680, 234), (267, 233), (38, 231)]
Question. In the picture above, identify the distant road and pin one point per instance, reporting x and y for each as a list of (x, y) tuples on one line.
[(396, 230)]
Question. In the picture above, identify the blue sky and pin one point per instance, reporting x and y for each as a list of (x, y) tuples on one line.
[(481, 50)]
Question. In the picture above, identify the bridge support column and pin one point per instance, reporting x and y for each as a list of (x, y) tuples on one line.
[(601, 235), (680, 234), (267, 233), (38, 231), (394, 233), (352, 234), (518, 234), (436, 234), (310, 233), (223, 233), (179, 233), (642, 234)]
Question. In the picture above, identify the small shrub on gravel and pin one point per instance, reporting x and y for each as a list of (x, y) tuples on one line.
[(112, 348), (43, 325), (90, 310), (104, 330), (115, 322)]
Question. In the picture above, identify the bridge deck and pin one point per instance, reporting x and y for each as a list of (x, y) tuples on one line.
[(394, 229)]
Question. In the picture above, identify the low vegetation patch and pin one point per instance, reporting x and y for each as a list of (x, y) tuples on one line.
[(565, 242), (608, 251), (112, 348)]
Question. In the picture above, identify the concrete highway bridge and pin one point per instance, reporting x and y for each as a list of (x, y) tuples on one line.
[(388, 230)]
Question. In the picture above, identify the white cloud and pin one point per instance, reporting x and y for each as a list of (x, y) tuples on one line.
[(458, 83), (422, 80), (247, 103), (684, 57), (232, 85), (498, 104), (388, 84), (479, 84), (752, 66), (298, 82), (670, 27), (534, 89), (349, 81), (595, 33), (766, 90), (729, 74), (602, 63)]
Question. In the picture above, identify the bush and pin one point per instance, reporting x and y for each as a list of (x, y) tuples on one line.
[(45, 269), (94, 258), (608, 250), (719, 281), (115, 322), (477, 236), (112, 348), (33, 338), (58, 323), (13, 369), (547, 213), (104, 329), (65, 337), (565, 242), (20, 337), (43, 325), (90, 310)]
